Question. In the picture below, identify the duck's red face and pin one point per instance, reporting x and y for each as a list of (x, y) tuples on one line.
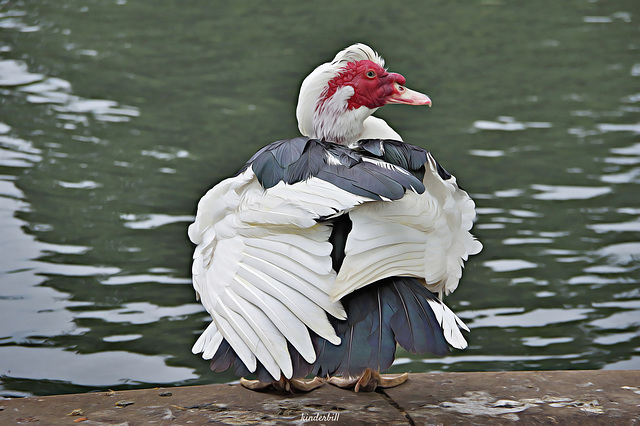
[(374, 86)]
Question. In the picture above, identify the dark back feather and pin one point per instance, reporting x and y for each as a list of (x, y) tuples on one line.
[(298, 159), (407, 156)]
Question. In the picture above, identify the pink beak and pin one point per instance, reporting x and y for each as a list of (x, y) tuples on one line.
[(402, 95)]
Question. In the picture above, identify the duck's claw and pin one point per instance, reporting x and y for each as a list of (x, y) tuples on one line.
[(287, 385), (369, 381), (254, 384)]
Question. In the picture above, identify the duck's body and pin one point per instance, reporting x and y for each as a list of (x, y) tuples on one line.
[(326, 250)]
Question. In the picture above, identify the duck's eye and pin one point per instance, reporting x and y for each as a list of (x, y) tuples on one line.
[(371, 74)]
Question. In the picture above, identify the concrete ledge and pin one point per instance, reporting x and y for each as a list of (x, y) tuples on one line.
[(526, 397)]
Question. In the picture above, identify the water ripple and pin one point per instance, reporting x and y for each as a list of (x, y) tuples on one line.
[(536, 318), (16, 152), (539, 342), (618, 321), (151, 221), (629, 226), (628, 150), (508, 265), (595, 279), (148, 278), (622, 253), (142, 313), (40, 89), (613, 339), (492, 153), (604, 128), (122, 338), (96, 369), (9, 20), (509, 124), (631, 176), (519, 241), (486, 358), (85, 184), (16, 73), (560, 192)]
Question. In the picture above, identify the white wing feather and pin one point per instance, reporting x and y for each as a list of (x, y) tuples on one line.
[(421, 235), (208, 341), (262, 268), (450, 324)]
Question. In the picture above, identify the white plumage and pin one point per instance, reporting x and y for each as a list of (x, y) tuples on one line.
[(262, 267), (421, 235)]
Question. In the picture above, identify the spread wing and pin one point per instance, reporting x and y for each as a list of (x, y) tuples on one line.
[(262, 266), (423, 235)]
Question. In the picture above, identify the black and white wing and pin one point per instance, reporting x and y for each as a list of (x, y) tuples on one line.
[(262, 266)]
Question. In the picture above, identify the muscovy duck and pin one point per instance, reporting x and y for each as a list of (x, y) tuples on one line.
[(327, 250)]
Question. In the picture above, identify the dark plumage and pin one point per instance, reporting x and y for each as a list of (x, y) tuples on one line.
[(295, 160)]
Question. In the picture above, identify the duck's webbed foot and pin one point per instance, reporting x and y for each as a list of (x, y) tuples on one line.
[(369, 381), (284, 384)]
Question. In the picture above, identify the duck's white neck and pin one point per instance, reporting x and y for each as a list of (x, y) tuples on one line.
[(333, 121)]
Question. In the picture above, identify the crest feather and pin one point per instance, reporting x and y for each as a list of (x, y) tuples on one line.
[(357, 52)]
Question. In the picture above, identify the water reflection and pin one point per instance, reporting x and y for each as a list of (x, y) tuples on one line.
[(70, 109), (508, 124), (542, 342), (95, 369), (515, 317), (141, 313), (562, 192), (50, 287), (151, 221), (508, 265)]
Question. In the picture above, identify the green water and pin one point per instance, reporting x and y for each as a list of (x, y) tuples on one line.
[(116, 116)]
